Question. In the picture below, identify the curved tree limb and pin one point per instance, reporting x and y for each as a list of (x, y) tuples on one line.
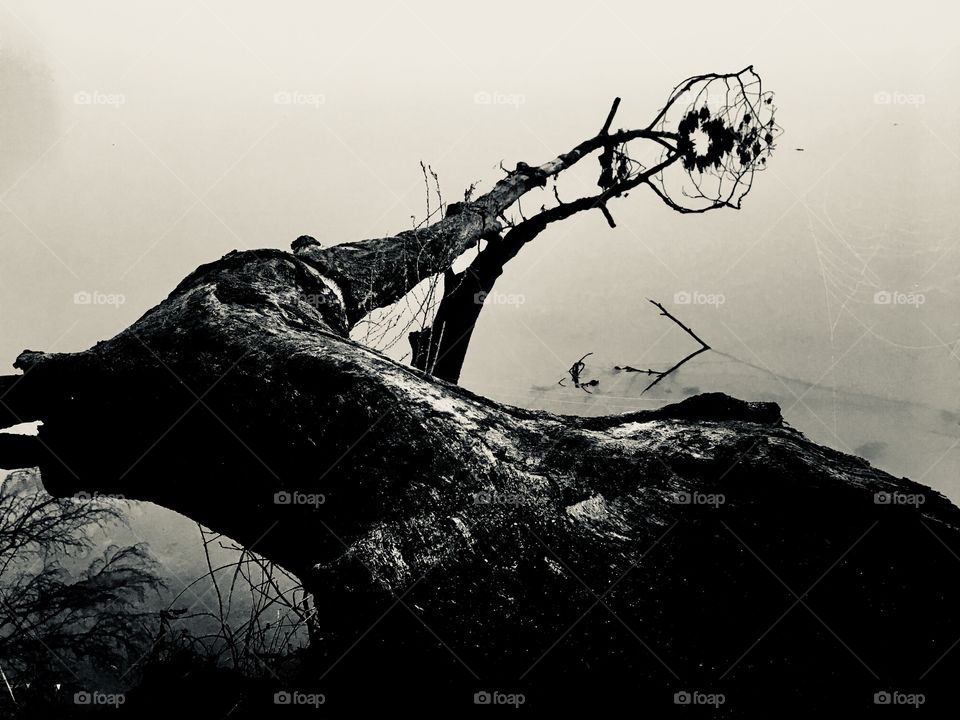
[(375, 273), (721, 173)]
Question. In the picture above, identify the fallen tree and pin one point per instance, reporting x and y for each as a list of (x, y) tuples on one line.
[(455, 544)]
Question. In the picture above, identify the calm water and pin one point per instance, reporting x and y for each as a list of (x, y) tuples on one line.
[(840, 305)]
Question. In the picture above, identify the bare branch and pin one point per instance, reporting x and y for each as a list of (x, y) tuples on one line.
[(378, 272), (666, 313), (613, 111), (607, 215), (575, 371), (661, 374), (727, 129)]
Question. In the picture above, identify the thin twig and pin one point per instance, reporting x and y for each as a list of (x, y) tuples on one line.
[(691, 333), (575, 371), (613, 111), (660, 375)]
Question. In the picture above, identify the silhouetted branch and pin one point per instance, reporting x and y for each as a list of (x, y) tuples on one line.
[(575, 370), (727, 129), (607, 215), (666, 313), (375, 273), (660, 375), (715, 146), (91, 613), (613, 111)]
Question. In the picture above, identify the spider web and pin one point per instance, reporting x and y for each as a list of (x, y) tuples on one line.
[(847, 257)]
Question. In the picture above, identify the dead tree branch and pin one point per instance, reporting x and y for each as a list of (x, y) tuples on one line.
[(737, 144), (575, 372), (661, 374)]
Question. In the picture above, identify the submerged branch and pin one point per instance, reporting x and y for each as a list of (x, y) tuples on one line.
[(661, 374)]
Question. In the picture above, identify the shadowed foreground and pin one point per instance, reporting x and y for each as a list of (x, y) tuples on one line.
[(455, 545)]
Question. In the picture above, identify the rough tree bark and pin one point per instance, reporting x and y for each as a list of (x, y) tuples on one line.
[(464, 545)]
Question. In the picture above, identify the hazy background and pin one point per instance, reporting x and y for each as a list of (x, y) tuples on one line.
[(140, 139)]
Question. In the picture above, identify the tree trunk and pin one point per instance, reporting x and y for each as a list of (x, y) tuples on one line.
[(442, 348), (457, 545)]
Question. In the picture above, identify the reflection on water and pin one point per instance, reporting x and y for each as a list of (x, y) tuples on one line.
[(833, 293), (902, 437)]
